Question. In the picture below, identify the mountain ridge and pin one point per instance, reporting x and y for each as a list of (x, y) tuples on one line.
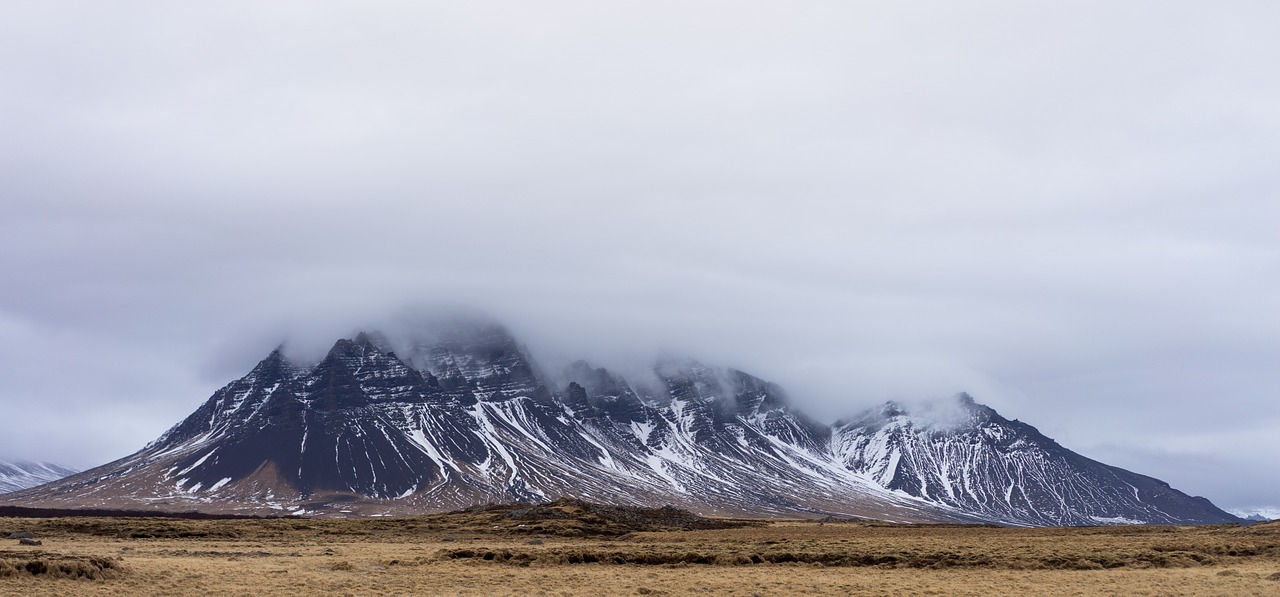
[(467, 417)]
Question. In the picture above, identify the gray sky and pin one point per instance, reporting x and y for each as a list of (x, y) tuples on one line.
[(1068, 209)]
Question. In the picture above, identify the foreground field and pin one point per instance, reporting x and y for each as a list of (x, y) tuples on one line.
[(572, 548)]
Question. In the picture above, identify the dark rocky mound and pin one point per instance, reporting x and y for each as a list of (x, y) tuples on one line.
[(53, 565), (22, 512), (574, 517)]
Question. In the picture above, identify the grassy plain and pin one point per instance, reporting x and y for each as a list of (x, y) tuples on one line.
[(571, 548)]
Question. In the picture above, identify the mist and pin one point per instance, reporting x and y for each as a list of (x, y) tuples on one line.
[(1068, 212)]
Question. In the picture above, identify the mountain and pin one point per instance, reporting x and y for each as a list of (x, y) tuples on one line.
[(967, 456), (466, 417), (22, 474), (1257, 514)]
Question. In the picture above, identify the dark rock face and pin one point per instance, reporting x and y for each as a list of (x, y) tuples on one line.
[(467, 418)]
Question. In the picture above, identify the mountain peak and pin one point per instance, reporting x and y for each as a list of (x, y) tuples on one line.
[(275, 364), (958, 411), (373, 339), (344, 347)]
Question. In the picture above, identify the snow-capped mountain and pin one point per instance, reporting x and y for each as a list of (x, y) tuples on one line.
[(467, 418), (21, 474), (1257, 514), (966, 455)]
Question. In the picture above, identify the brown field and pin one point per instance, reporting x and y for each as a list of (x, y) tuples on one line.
[(572, 548)]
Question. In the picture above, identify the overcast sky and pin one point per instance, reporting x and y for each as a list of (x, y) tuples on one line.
[(1070, 210)]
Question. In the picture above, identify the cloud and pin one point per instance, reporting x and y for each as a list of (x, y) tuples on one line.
[(1067, 211)]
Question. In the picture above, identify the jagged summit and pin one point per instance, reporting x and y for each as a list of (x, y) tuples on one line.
[(956, 411), (439, 421)]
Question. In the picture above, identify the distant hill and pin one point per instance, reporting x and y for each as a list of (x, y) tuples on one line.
[(22, 474), (1257, 514)]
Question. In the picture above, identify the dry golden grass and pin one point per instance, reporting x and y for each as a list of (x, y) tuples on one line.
[(586, 552)]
